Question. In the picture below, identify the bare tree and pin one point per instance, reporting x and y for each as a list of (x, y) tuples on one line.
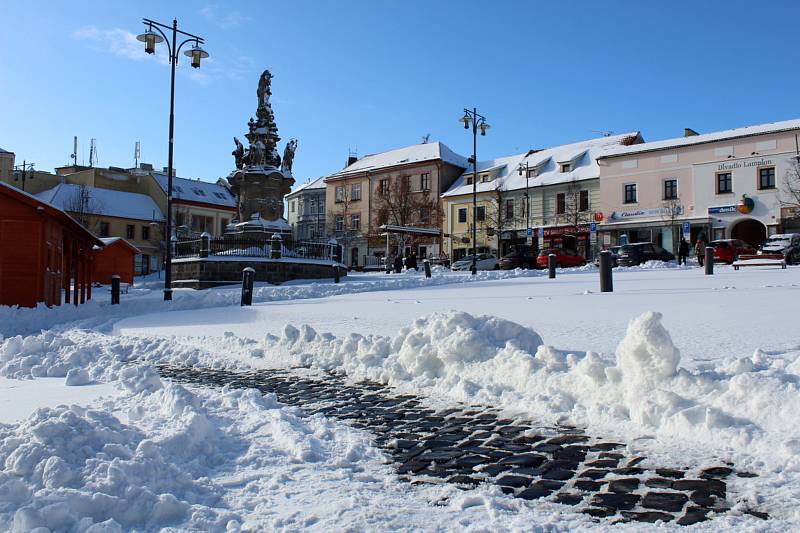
[(342, 207), (671, 210), (396, 204), (790, 194), (83, 207)]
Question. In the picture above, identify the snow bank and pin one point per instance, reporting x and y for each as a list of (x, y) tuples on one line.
[(746, 404)]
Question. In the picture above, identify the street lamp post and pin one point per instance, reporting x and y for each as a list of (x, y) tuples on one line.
[(150, 38), (478, 122), (527, 171), (23, 171)]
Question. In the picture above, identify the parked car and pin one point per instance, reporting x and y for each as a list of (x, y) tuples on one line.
[(564, 258), (728, 250), (484, 262), (787, 244), (520, 257), (641, 252), (614, 251)]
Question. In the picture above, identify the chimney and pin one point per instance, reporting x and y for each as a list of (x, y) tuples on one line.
[(351, 159), (146, 166), (174, 172), (689, 132)]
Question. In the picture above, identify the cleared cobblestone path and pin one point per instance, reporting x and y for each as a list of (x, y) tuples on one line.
[(469, 445)]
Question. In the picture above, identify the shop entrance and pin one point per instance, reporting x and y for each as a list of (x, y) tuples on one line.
[(750, 231)]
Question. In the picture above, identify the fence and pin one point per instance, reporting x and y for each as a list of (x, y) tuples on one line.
[(255, 246)]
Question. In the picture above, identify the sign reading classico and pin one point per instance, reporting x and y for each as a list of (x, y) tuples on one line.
[(637, 213)]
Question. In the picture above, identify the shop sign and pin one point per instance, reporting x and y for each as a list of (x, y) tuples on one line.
[(721, 209), (557, 232), (761, 162), (637, 213)]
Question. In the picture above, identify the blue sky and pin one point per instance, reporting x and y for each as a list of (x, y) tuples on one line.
[(376, 75)]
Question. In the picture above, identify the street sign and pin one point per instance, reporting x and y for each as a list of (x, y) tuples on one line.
[(530, 232), (687, 228), (593, 227), (541, 233)]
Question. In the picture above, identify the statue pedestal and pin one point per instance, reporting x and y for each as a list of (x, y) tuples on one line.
[(260, 191)]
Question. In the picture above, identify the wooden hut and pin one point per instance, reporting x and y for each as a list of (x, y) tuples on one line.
[(42, 250), (118, 256)]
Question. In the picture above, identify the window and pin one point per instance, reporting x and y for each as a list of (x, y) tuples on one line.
[(340, 223), (566, 167), (145, 233), (469, 179), (630, 193), (480, 213), (198, 192), (561, 203), (220, 195), (355, 221), (407, 183), (355, 191), (532, 173), (485, 178), (462, 215), (180, 218), (425, 182), (176, 188), (510, 209), (339, 194), (201, 223), (424, 214), (724, 183), (105, 229), (670, 189), (766, 178), (383, 187), (291, 206), (223, 225), (130, 231), (583, 200)]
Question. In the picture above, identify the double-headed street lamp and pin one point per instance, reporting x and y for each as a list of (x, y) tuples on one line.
[(150, 38), (527, 170), (478, 122)]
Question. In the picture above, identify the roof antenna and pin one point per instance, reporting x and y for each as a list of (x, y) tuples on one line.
[(603, 133), (92, 152), (137, 153), (74, 155), (426, 138)]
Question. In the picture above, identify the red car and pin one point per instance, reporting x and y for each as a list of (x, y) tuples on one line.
[(564, 258), (728, 250)]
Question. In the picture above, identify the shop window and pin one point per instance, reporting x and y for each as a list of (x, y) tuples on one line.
[(462, 215), (631, 196), (670, 189), (583, 200), (724, 183), (766, 178), (480, 213), (561, 203)]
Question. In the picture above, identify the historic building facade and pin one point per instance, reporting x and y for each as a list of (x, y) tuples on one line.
[(720, 185), (306, 211)]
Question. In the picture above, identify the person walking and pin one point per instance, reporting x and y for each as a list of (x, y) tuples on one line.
[(412, 261), (398, 264), (683, 251), (700, 250)]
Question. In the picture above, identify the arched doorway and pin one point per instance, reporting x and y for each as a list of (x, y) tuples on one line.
[(750, 231)]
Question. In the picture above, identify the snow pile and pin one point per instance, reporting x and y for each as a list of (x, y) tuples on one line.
[(749, 403), (77, 469)]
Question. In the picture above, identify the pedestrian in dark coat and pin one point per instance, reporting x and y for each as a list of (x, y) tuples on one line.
[(412, 261), (398, 264), (683, 251)]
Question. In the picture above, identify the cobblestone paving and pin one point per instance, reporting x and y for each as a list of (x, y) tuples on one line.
[(470, 445)]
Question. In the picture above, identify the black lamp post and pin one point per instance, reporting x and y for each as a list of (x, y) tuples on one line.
[(527, 171), (478, 122), (23, 170), (150, 38)]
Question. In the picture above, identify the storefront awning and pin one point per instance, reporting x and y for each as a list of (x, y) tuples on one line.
[(408, 230)]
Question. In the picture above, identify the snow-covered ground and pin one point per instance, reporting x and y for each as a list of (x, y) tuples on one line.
[(711, 376)]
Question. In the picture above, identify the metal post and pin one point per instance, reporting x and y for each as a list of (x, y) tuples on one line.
[(114, 289), (709, 260), (336, 277), (173, 60), (248, 275), (205, 244), (551, 265), (277, 246), (427, 265), (606, 281), (474, 268)]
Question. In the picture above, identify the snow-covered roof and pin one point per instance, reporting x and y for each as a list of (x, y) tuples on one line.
[(410, 154), (196, 190), (5, 151), (107, 202), (108, 241), (760, 129), (583, 155), (318, 183)]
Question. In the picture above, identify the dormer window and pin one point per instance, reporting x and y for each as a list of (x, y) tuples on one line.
[(469, 180), (486, 177), (566, 167), (533, 172)]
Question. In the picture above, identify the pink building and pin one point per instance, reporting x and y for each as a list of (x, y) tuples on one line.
[(720, 185)]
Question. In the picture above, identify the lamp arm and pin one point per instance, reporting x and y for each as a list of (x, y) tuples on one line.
[(177, 52), (166, 40)]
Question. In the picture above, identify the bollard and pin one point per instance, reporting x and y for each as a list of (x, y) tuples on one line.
[(606, 281), (277, 245), (248, 275), (205, 244), (709, 260), (427, 266), (114, 289), (551, 265), (336, 278)]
